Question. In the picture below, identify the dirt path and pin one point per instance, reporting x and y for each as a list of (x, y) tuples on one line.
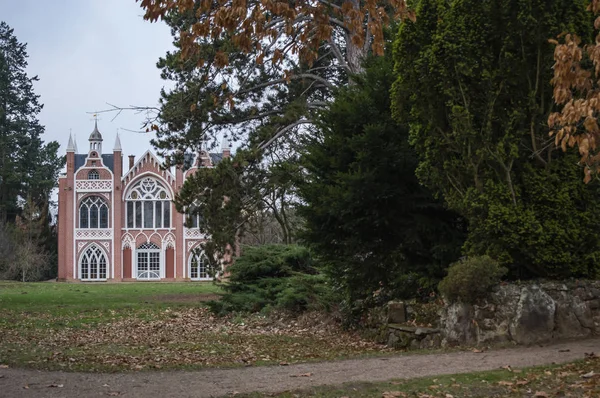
[(17, 383)]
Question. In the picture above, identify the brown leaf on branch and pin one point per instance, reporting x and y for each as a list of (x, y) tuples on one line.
[(576, 81), (252, 21)]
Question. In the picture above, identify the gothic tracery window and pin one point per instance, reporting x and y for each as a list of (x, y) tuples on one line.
[(148, 205), (192, 217), (93, 213), (93, 264), (199, 266)]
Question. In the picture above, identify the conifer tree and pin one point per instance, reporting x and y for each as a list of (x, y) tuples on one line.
[(28, 167)]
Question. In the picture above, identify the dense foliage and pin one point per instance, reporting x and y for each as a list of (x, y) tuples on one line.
[(471, 278), (576, 80), (274, 276), (474, 85), (379, 232), (28, 167)]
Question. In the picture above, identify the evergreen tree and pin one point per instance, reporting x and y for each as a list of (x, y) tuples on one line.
[(28, 167), (474, 85), (367, 216)]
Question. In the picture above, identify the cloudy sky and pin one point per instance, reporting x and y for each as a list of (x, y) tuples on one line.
[(88, 53)]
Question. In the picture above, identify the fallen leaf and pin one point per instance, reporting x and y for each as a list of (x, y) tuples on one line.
[(477, 351), (507, 367), (449, 396), (588, 375), (393, 394), (302, 375), (540, 394), (522, 382), (3, 366), (505, 383), (26, 387), (56, 385), (283, 364)]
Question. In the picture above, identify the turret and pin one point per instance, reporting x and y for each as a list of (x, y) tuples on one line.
[(225, 147), (96, 140)]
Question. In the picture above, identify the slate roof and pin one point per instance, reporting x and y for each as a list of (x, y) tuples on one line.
[(108, 160), (216, 158)]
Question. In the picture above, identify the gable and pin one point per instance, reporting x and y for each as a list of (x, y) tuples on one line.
[(107, 159)]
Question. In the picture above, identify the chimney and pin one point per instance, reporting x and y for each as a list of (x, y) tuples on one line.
[(131, 161)]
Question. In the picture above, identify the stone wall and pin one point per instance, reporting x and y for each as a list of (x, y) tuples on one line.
[(524, 314)]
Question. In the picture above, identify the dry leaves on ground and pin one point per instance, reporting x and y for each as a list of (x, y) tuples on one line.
[(182, 338)]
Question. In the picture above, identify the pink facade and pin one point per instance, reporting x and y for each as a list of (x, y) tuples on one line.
[(118, 224)]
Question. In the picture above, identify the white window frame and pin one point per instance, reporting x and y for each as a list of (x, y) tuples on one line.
[(93, 175), (150, 275), (148, 189), (194, 255), (98, 253), (88, 202)]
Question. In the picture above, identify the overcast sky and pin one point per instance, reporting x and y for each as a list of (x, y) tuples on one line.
[(88, 53)]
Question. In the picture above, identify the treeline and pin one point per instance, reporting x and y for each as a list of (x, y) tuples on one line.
[(28, 172), (436, 153)]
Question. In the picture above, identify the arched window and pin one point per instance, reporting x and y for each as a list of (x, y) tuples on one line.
[(93, 213), (148, 205), (93, 175), (199, 266), (148, 261), (93, 264), (192, 217)]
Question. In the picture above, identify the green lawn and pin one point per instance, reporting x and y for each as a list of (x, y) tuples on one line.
[(66, 297), (135, 326)]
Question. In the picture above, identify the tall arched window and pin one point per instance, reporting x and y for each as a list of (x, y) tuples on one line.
[(199, 266), (93, 264), (93, 213), (148, 205), (93, 175), (192, 217)]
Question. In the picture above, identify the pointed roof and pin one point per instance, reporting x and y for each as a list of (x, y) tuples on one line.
[(117, 143), (75, 143), (95, 136), (70, 145)]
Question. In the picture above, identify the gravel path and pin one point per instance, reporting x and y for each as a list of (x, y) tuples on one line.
[(18, 383)]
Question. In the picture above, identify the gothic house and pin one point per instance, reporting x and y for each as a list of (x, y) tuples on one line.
[(116, 225)]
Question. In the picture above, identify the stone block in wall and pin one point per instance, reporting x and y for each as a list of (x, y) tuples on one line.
[(457, 324), (396, 312), (534, 317)]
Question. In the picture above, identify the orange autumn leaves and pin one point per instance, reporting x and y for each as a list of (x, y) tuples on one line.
[(577, 91), (252, 23)]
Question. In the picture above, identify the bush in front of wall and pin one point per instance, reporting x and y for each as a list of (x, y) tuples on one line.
[(471, 279)]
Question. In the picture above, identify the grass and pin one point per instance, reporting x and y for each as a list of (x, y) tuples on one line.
[(63, 297), (135, 326), (538, 382)]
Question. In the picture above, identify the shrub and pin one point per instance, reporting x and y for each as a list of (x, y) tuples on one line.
[(274, 276), (471, 279)]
